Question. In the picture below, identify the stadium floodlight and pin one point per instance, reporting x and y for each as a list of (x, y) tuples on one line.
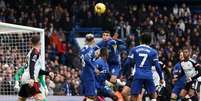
[(14, 47)]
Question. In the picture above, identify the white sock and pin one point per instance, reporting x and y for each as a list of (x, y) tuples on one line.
[(153, 99)]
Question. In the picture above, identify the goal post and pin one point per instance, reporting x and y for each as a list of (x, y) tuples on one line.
[(14, 47)]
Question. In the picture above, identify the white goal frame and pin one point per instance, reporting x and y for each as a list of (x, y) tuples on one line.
[(6, 28)]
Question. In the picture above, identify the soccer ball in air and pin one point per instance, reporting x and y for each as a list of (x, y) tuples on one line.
[(100, 8)]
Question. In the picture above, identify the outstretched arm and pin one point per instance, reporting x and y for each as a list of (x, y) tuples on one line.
[(19, 73)]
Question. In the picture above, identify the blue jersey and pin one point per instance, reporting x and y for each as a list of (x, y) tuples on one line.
[(181, 79), (102, 44), (144, 57), (88, 71), (113, 58), (177, 70), (103, 67)]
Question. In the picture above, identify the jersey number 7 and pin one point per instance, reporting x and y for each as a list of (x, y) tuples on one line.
[(144, 56)]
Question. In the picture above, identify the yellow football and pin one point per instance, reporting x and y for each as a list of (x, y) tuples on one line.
[(100, 8)]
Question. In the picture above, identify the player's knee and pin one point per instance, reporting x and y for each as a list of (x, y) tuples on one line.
[(173, 97), (153, 95), (90, 98), (21, 99), (125, 91), (191, 92), (39, 97), (134, 98), (182, 93)]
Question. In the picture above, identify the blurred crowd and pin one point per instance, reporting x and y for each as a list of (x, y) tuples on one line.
[(171, 27)]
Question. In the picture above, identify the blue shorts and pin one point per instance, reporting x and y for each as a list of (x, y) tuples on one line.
[(115, 70), (137, 84), (88, 88), (179, 85), (105, 91)]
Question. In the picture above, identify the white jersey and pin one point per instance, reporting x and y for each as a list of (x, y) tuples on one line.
[(156, 77), (188, 68), (33, 66)]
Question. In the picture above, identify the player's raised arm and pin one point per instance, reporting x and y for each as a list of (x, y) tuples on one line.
[(19, 73), (17, 78)]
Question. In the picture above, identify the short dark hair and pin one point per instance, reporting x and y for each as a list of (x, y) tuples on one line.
[(107, 32), (103, 51), (185, 48), (145, 39), (35, 40)]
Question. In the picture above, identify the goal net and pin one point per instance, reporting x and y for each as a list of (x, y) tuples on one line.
[(14, 47)]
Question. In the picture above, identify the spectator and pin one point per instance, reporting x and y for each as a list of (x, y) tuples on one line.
[(68, 88), (51, 85)]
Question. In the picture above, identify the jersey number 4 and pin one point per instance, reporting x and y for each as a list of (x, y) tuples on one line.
[(144, 58)]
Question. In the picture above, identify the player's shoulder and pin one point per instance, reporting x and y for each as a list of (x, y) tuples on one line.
[(99, 61), (177, 65), (192, 61), (35, 51), (85, 49), (112, 42)]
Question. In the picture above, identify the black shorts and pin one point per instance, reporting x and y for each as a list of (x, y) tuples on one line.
[(189, 85), (27, 91), (129, 81), (197, 86)]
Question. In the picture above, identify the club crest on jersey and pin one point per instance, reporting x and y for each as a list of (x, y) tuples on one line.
[(34, 58)]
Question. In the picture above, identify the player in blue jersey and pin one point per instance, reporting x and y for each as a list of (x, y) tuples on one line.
[(106, 37), (88, 80), (113, 59), (103, 75), (144, 57), (178, 80)]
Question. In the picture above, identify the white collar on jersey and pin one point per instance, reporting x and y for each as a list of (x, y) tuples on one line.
[(144, 45)]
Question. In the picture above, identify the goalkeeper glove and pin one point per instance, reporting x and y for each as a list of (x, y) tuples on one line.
[(17, 87)]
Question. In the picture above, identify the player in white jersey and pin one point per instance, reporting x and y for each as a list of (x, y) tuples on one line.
[(192, 71), (30, 85)]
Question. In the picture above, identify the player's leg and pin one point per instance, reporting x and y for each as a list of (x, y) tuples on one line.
[(175, 92), (184, 91), (140, 97), (115, 73), (136, 89), (198, 89), (23, 92), (44, 93), (151, 89), (192, 95), (36, 92), (126, 92), (39, 97), (89, 90), (178, 86), (126, 89), (21, 99), (173, 97), (107, 92)]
